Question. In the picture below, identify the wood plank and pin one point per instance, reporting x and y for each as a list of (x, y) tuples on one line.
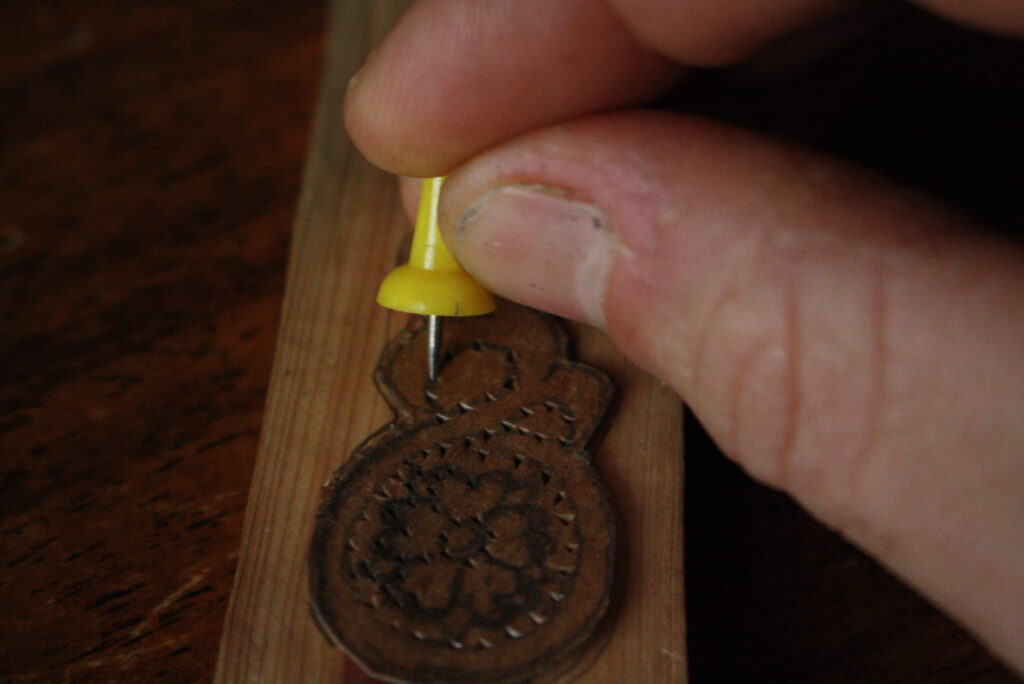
[(322, 403), (641, 460)]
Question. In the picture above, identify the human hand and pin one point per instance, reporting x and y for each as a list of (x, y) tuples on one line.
[(852, 343)]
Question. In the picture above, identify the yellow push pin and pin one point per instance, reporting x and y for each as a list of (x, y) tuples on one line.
[(433, 284)]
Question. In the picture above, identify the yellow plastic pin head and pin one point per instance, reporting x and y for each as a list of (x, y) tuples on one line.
[(433, 283)]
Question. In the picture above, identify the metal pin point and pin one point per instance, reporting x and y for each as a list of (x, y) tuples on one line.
[(435, 325)]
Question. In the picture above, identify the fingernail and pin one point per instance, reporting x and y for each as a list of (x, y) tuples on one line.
[(537, 245)]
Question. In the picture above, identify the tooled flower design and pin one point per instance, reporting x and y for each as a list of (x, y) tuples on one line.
[(463, 551)]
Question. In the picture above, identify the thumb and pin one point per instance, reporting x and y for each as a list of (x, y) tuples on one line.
[(843, 340)]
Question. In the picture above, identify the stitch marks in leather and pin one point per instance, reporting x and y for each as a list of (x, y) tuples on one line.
[(471, 540)]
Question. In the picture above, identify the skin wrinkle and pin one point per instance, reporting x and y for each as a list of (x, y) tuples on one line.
[(731, 437), (839, 481), (729, 293), (879, 364), (790, 386), (763, 250)]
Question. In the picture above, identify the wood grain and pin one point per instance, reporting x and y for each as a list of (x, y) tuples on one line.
[(143, 237), (641, 460), (322, 404)]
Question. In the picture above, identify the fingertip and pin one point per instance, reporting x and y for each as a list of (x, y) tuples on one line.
[(389, 109), (454, 78), (373, 114)]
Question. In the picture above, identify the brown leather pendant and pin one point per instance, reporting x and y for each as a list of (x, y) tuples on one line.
[(471, 540)]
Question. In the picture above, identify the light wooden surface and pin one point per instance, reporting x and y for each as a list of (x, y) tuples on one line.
[(322, 403)]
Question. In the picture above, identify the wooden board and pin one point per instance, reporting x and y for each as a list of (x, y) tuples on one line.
[(322, 404)]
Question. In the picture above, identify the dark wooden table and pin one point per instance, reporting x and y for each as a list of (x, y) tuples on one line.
[(150, 158)]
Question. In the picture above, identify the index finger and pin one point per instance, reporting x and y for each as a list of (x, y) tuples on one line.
[(455, 76)]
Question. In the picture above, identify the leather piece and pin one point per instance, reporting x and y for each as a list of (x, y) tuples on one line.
[(471, 540)]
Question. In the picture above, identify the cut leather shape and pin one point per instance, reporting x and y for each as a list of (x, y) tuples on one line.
[(471, 540)]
